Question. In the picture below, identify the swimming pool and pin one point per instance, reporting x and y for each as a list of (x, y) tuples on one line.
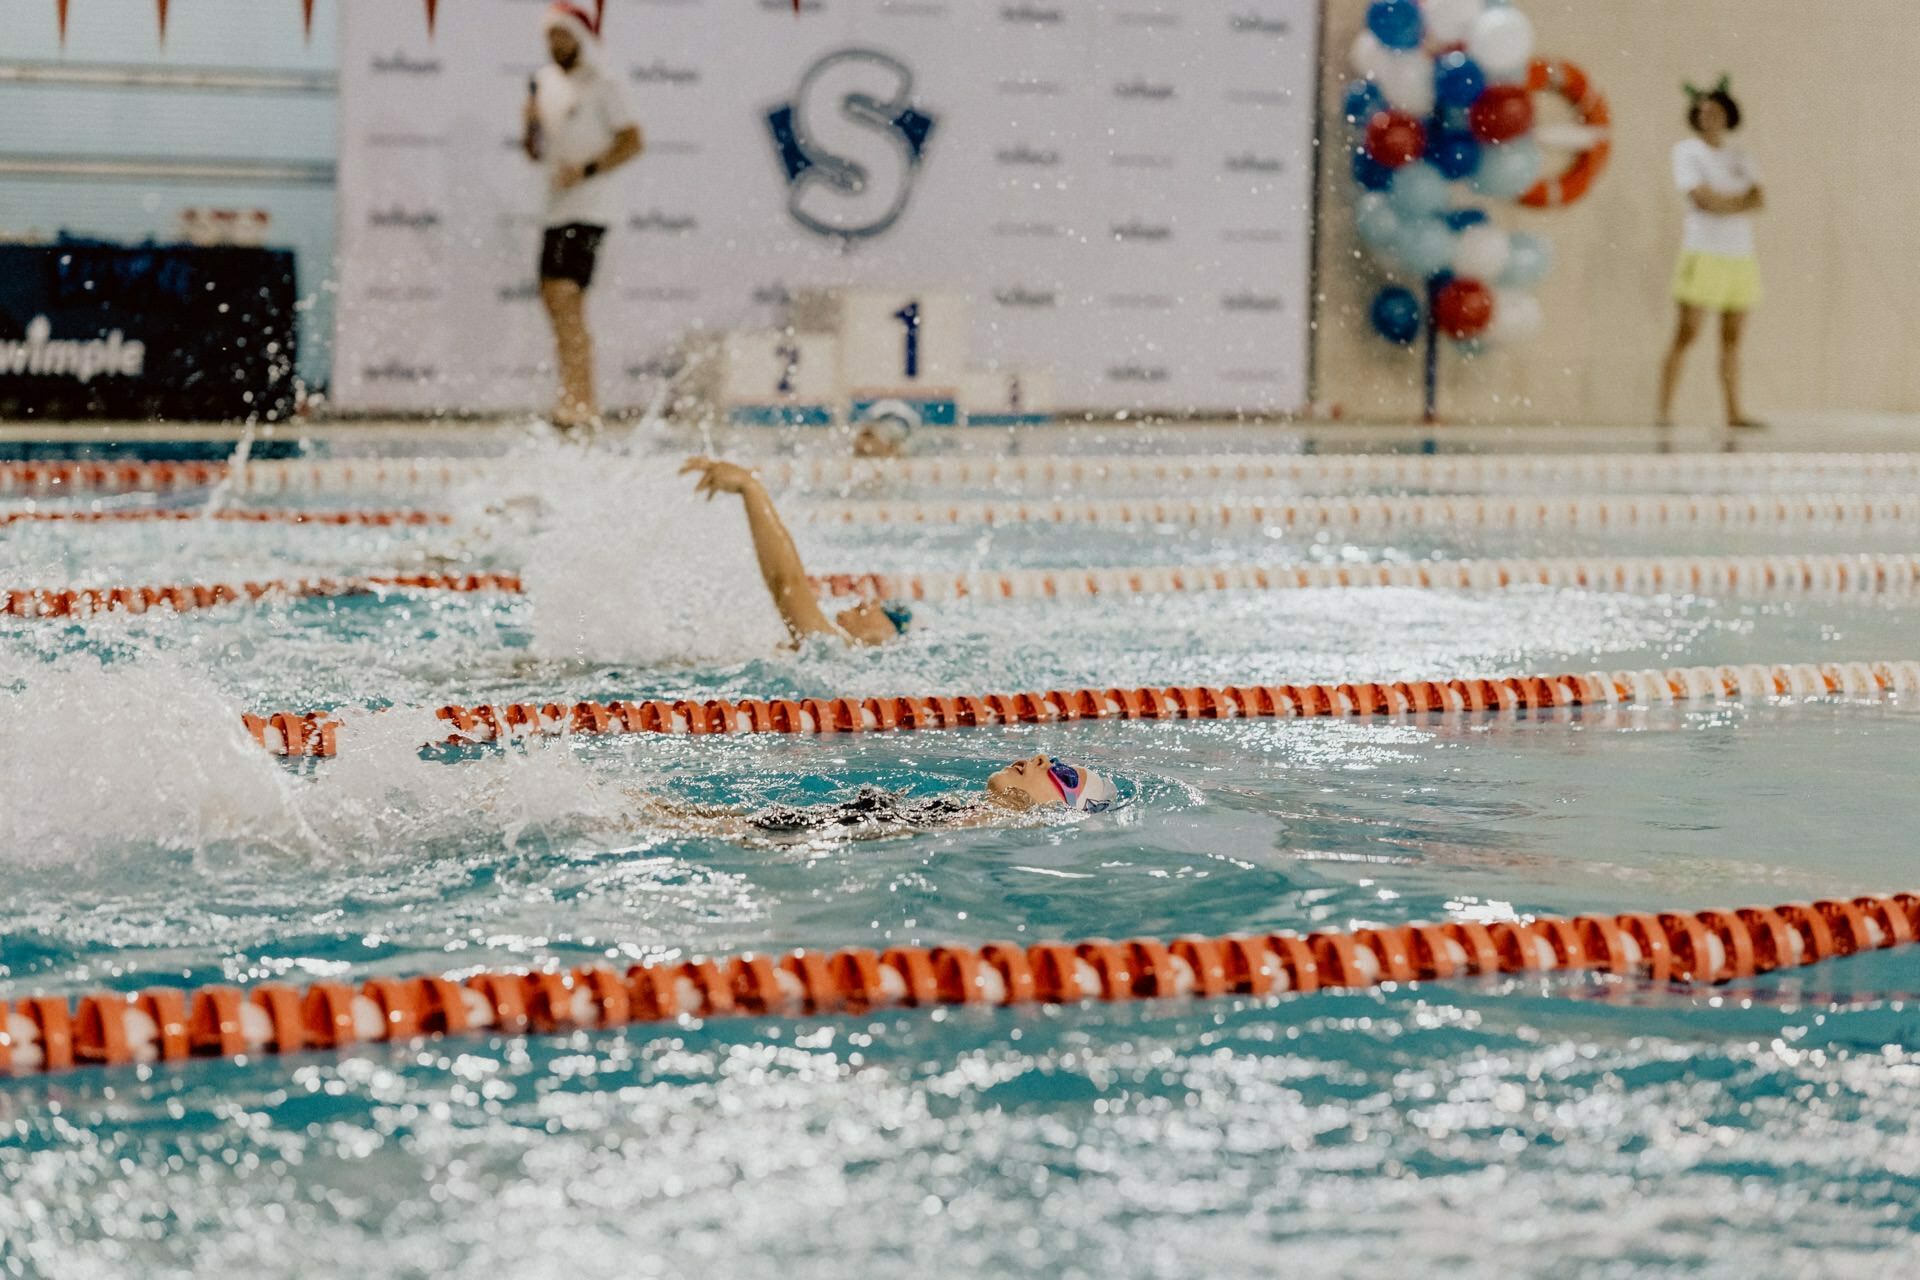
[(1769, 1123)]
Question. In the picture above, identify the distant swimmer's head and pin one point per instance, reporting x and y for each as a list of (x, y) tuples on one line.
[(885, 429), (1042, 780), (875, 621)]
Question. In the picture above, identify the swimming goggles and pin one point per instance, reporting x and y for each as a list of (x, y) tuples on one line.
[(898, 614), (1082, 789)]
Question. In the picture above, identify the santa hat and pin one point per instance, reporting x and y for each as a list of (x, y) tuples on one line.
[(573, 20)]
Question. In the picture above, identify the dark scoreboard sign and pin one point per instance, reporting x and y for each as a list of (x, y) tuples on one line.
[(94, 330)]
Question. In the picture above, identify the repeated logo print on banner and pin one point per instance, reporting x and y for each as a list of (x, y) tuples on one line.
[(1126, 206), (851, 143)]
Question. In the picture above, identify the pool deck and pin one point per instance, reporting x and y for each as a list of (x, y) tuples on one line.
[(1828, 433)]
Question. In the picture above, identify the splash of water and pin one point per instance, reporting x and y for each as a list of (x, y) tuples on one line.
[(629, 567), (103, 756), (104, 759)]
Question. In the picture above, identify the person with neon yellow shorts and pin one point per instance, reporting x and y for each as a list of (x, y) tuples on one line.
[(1718, 269)]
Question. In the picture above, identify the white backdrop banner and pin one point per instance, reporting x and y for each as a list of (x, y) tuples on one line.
[(1121, 191)]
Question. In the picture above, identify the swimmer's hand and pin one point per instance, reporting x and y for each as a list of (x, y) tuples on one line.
[(719, 476)]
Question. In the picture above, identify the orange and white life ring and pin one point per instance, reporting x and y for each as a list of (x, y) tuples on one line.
[(1594, 144)]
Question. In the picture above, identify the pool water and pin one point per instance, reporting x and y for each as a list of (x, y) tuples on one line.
[(1609, 1128)]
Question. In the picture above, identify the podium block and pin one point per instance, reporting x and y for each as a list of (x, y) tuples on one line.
[(774, 378), (1007, 397), (903, 345)]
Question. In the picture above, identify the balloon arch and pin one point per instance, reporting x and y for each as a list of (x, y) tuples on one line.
[(1445, 101)]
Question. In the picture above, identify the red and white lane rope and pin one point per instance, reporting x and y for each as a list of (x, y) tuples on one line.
[(1082, 472), (1734, 575), (1599, 512), (1338, 471), (292, 733), (179, 598), (164, 1024), (1862, 573), (271, 515), (265, 476)]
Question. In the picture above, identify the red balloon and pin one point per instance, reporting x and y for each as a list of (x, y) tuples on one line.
[(1395, 138), (1463, 308), (1501, 114)]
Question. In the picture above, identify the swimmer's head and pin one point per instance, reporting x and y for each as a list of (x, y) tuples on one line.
[(871, 443), (884, 429), (1042, 780), (875, 622)]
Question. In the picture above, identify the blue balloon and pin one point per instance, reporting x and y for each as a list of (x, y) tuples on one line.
[(1455, 154), (1508, 168), (1448, 119), (1458, 80), (1396, 23), (1419, 190), (1396, 314), (1364, 100), (1461, 219), (1425, 247), (1529, 258), (1376, 222), (1370, 173)]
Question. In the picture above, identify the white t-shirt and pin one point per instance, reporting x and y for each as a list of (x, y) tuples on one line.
[(1725, 170), (580, 112)]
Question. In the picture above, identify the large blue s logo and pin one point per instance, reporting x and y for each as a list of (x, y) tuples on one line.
[(851, 143)]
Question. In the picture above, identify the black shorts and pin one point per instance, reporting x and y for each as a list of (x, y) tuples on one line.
[(569, 252)]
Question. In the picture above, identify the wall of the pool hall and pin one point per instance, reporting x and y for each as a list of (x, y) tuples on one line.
[(1833, 119), (1831, 94), (104, 122)]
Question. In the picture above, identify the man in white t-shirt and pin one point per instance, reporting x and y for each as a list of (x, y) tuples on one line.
[(1718, 269), (579, 126)]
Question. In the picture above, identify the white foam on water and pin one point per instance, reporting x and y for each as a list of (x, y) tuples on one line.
[(628, 566), (101, 759), (379, 798), (98, 757)]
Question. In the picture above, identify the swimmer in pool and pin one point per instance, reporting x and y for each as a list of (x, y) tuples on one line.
[(869, 622), (1037, 783)]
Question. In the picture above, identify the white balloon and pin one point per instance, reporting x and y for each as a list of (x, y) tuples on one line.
[(1368, 55), (1481, 252), (1407, 80), (1501, 42), (1516, 317), (1451, 20)]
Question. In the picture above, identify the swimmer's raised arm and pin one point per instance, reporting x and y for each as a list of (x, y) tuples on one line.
[(780, 566)]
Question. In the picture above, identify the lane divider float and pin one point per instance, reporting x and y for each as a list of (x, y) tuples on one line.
[(179, 598), (264, 476), (1604, 512), (1862, 573), (316, 733), (1741, 575), (232, 516), (41, 1034), (1083, 472), (1463, 471)]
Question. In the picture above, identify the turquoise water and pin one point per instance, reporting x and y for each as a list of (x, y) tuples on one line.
[(1590, 1126)]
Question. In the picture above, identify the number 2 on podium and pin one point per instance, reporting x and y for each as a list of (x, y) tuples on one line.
[(788, 354)]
